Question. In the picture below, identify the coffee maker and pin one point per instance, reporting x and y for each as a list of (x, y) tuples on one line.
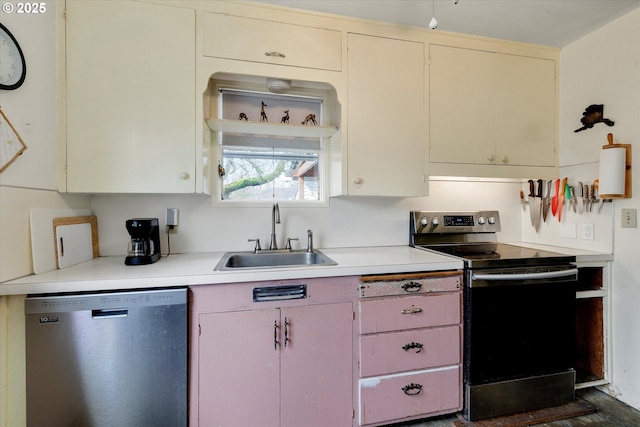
[(144, 246)]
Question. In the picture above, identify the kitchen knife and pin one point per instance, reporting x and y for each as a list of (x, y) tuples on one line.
[(592, 197), (573, 201), (532, 202), (561, 198), (580, 197), (538, 204), (554, 199), (522, 202), (546, 200)]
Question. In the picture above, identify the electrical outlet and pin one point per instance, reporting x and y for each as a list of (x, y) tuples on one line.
[(629, 218), (172, 217), (588, 231)]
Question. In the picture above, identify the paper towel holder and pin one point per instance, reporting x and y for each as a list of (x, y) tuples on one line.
[(608, 191)]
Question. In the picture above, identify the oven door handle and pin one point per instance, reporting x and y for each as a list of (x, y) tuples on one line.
[(526, 276)]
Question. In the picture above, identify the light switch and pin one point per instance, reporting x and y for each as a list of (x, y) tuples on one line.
[(629, 218)]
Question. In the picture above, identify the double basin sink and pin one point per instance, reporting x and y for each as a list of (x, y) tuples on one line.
[(272, 259)]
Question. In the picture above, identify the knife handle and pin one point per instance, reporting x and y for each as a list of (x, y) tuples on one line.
[(539, 194), (532, 190)]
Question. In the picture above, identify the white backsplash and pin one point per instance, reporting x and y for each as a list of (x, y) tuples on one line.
[(347, 222)]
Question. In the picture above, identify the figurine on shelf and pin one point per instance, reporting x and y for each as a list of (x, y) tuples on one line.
[(285, 118), (263, 115), (310, 118), (243, 116)]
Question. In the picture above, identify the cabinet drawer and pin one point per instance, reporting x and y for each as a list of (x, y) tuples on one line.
[(256, 40), (405, 284), (427, 392), (398, 313), (409, 350)]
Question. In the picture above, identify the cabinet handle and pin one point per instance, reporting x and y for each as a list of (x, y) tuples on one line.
[(275, 335), (413, 345), (278, 54), (286, 332), (412, 310), (412, 389), (412, 287)]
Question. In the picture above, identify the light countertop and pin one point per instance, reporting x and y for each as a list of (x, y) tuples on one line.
[(110, 273), (580, 254)]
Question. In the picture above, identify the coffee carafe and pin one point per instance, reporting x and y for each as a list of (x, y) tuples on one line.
[(144, 246)]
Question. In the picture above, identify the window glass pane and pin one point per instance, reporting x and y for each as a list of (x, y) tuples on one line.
[(268, 174)]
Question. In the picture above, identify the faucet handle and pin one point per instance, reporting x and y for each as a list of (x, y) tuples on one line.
[(257, 248), (288, 245)]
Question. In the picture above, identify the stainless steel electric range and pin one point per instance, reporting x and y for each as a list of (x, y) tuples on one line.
[(519, 314)]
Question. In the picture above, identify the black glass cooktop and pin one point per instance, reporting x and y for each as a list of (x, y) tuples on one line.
[(492, 255)]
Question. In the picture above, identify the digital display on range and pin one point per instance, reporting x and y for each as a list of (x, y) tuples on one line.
[(458, 220)]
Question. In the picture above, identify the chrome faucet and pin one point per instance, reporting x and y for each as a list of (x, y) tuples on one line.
[(275, 219), (309, 241)]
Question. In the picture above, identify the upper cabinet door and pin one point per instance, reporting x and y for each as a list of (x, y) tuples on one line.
[(491, 109), (462, 93), (387, 137), (257, 40), (525, 111), (130, 98)]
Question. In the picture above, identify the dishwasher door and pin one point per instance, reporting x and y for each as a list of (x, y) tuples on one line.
[(107, 359)]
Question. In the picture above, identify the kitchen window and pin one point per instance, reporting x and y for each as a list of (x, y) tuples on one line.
[(269, 148)]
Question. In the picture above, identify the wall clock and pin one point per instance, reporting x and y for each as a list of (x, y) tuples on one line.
[(13, 68)]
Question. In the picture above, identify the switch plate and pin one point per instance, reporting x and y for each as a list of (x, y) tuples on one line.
[(629, 218), (588, 231), (568, 230)]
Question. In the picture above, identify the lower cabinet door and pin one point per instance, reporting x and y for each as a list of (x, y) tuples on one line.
[(395, 397), (317, 360), (239, 369)]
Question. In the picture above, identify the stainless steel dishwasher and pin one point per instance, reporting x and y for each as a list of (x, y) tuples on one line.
[(107, 359)]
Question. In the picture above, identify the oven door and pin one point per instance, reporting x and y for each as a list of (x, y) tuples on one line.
[(519, 323)]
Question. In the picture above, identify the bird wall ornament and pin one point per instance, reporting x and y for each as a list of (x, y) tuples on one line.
[(593, 114)]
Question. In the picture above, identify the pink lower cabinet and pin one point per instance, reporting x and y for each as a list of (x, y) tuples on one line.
[(275, 363), (410, 347)]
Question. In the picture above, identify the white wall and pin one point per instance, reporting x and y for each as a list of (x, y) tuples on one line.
[(604, 68)]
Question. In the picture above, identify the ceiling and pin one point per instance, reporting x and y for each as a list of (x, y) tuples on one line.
[(545, 22)]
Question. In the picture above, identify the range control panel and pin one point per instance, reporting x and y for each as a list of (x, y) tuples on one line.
[(426, 222)]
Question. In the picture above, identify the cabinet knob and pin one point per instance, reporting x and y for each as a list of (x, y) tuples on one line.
[(504, 159), (183, 175), (491, 157), (357, 182), (276, 54)]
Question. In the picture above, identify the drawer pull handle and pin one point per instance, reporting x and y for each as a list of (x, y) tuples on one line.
[(278, 54), (412, 310), (413, 345), (412, 287), (275, 335), (412, 389), (286, 331)]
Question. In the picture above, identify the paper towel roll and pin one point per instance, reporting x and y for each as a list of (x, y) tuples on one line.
[(612, 171)]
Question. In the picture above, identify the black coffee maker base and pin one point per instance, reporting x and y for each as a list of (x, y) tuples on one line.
[(141, 260)]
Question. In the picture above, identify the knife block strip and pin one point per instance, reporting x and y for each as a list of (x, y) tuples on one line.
[(92, 219)]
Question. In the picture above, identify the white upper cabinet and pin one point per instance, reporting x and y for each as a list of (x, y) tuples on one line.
[(386, 119), (494, 112), (257, 40), (131, 108)]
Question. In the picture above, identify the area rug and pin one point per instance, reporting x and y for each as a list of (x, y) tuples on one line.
[(573, 409)]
